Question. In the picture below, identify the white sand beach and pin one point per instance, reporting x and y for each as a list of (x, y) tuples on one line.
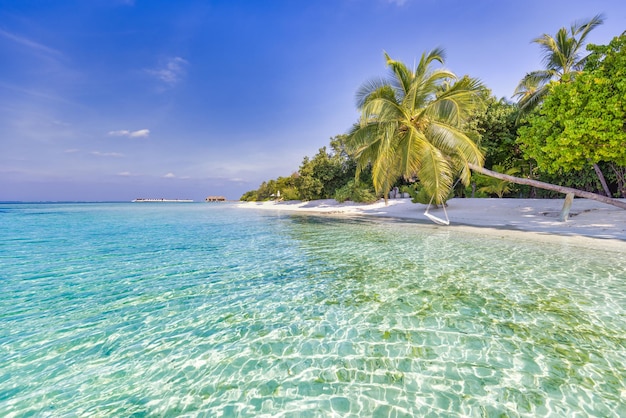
[(588, 218)]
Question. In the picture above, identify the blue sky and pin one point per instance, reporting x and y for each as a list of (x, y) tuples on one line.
[(117, 99)]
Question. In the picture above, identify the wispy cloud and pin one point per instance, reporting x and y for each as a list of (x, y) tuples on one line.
[(142, 133), (398, 2), (30, 44), (120, 133), (107, 154), (37, 94), (171, 72), (71, 151), (169, 176), (125, 174)]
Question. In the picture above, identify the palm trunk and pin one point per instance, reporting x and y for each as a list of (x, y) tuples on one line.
[(567, 205), (548, 186)]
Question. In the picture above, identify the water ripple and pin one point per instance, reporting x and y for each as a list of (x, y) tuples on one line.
[(203, 311)]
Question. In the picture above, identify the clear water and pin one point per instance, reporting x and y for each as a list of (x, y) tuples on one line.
[(208, 310)]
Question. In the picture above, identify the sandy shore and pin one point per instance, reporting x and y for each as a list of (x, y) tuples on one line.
[(588, 218)]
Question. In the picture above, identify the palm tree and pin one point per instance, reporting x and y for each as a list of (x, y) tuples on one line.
[(562, 59), (411, 126)]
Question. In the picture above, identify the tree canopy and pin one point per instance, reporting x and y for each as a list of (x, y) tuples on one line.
[(411, 126), (427, 125), (582, 122), (562, 59)]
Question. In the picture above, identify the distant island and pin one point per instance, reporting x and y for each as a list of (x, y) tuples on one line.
[(142, 200)]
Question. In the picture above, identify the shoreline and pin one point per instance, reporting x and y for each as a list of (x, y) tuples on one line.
[(590, 223)]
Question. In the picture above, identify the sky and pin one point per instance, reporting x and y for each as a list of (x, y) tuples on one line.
[(111, 100)]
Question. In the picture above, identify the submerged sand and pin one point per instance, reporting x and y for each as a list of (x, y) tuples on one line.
[(588, 218)]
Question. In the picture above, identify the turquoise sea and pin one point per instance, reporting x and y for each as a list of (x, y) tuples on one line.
[(208, 310)]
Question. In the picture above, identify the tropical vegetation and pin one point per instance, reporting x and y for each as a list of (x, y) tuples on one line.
[(412, 127), (582, 123), (562, 58), (435, 135)]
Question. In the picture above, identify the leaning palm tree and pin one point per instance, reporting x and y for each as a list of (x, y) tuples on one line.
[(411, 126), (562, 58)]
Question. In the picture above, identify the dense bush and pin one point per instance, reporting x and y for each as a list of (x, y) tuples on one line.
[(355, 193)]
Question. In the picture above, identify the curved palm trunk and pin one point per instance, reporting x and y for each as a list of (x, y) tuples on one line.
[(548, 186)]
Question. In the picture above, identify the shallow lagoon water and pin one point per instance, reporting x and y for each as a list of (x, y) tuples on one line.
[(209, 310)]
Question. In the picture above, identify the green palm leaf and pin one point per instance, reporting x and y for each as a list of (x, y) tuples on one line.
[(411, 126), (561, 58)]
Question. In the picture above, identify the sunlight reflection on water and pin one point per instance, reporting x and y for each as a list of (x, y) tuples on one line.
[(200, 309)]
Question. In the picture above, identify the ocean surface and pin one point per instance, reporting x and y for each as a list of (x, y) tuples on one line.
[(208, 310)]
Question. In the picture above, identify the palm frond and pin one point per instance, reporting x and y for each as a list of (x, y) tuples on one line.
[(454, 142), (381, 109), (424, 89), (400, 76), (455, 102), (561, 54), (411, 125), (583, 28), (437, 54), (369, 88), (435, 174), (410, 148), (532, 89)]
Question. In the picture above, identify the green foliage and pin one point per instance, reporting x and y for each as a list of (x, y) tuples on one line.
[(420, 194), (491, 185), (289, 193), (562, 58), (355, 192), (493, 127), (249, 196), (411, 126), (584, 179), (309, 185), (318, 178), (283, 188), (324, 174), (582, 122)]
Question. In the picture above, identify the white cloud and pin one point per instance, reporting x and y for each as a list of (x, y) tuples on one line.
[(141, 133), (35, 46), (169, 176), (397, 2), (171, 72), (107, 154), (124, 174), (71, 151), (119, 133)]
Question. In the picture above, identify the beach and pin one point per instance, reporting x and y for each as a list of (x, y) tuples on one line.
[(588, 221)]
